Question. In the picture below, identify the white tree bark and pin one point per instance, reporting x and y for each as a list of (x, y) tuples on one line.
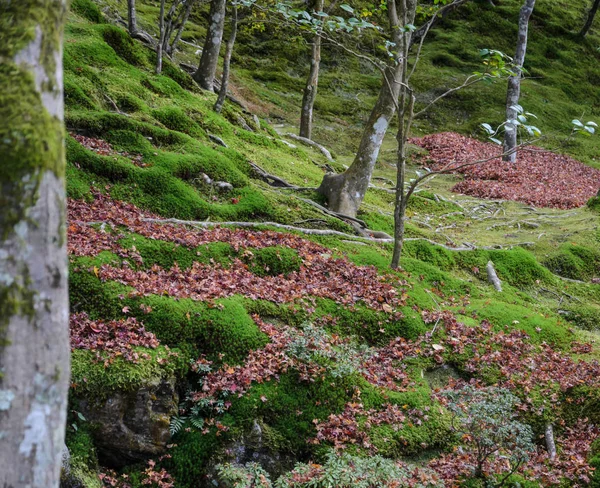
[(513, 92), (34, 334)]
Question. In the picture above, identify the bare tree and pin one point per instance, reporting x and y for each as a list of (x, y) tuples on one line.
[(312, 83), (34, 333), (227, 59), (513, 92), (176, 23), (590, 18), (205, 74)]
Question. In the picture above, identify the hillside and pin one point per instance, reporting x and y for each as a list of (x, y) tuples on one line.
[(282, 337)]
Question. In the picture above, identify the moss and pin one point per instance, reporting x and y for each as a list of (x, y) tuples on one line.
[(83, 462), (594, 204), (376, 328), (273, 261), (190, 455), (175, 118), (574, 262), (125, 47), (91, 378), (584, 316), (88, 10), (434, 255), (518, 267)]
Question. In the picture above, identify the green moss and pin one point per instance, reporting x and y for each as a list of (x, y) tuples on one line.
[(584, 316), (125, 47), (434, 255), (83, 462), (273, 261), (90, 378), (594, 204), (175, 118), (574, 262), (88, 10)]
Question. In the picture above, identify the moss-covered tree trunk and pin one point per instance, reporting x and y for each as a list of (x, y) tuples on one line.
[(312, 83), (513, 92), (346, 191), (205, 74), (34, 334)]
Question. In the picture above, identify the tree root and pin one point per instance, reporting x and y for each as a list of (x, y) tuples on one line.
[(310, 143)]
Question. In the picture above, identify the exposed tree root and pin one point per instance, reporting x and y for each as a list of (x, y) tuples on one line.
[(310, 143)]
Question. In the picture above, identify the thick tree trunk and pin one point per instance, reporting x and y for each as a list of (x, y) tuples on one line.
[(227, 61), (131, 18), (34, 330), (205, 75), (346, 191), (312, 83), (513, 92), (590, 19), (161, 37)]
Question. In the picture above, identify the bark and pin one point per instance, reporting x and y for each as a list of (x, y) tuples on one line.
[(161, 37), (346, 191), (34, 330), (205, 75), (131, 18), (549, 437), (227, 61), (513, 92), (312, 83), (171, 47), (590, 18)]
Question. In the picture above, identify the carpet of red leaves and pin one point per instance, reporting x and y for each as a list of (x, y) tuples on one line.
[(539, 177)]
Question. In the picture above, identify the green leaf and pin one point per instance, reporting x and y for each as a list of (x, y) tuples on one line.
[(347, 8)]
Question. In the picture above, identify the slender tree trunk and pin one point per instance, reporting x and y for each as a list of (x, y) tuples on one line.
[(34, 329), (346, 191), (131, 18), (590, 19), (205, 75), (161, 39), (227, 60), (188, 10), (513, 92), (549, 437), (312, 83)]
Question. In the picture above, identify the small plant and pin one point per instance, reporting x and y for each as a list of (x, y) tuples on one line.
[(252, 475), (484, 418)]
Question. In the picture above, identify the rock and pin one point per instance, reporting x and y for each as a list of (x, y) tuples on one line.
[(217, 140), (243, 124), (253, 447), (223, 186), (132, 426), (256, 121), (288, 144)]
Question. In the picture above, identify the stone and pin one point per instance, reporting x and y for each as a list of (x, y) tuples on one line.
[(132, 426)]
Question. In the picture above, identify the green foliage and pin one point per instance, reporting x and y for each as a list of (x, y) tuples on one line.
[(485, 418), (249, 476)]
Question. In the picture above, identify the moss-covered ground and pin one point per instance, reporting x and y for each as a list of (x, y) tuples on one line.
[(159, 127)]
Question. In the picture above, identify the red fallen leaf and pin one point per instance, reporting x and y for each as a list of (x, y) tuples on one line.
[(235, 200), (263, 399)]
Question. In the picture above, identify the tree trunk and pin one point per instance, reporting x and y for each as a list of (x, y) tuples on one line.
[(131, 18), (549, 437), (590, 19), (161, 37), (227, 61), (188, 9), (513, 92), (312, 83), (346, 191), (205, 75), (34, 329)]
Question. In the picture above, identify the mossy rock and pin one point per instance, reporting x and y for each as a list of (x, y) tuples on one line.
[(83, 463), (584, 316), (429, 253), (575, 262)]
